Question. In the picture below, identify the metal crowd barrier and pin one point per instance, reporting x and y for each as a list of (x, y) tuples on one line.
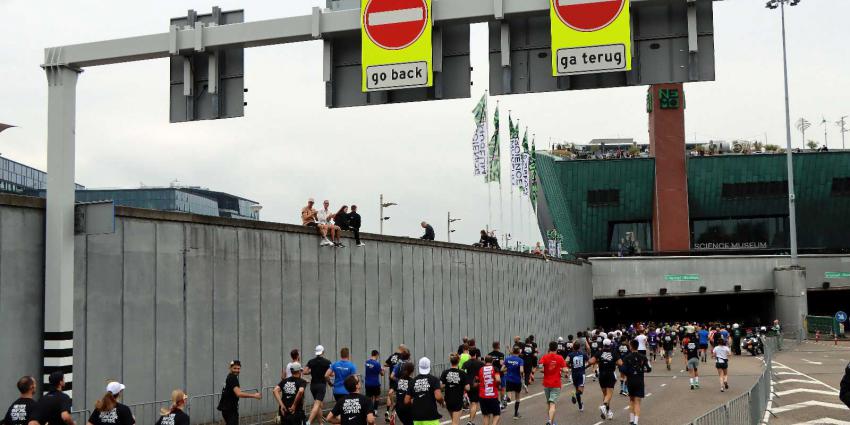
[(748, 408)]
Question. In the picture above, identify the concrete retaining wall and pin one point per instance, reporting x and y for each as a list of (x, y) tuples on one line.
[(169, 299)]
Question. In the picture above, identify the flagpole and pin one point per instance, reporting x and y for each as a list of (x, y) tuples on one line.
[(487, 174)]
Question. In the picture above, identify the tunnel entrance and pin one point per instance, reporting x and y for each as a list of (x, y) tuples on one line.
[(744, 308), (828, 302)]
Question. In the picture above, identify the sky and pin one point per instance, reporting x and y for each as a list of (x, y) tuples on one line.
[(289, 147)]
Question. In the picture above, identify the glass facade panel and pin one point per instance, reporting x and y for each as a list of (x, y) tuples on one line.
[(741, 233)]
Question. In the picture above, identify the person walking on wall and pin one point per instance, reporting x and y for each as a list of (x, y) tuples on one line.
[(228, 405)]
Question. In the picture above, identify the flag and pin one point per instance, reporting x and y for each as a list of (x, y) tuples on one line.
[(532, 176), (494, 173), (479, 138), (525, 163), (516, 154)]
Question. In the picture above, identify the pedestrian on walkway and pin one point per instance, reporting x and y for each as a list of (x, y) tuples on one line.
[(636, 366), (454, 384), (691, 349), (577, 361), (295, 357), (390, 364), (404, 372), (109, 411), (289, 394), (608, 359), (554, 367), (513, 372), (175, 414), (228, 404), (53, 408), (354, 408), (374, 372), (721, 354), (425, 395), (20, 412), (472, 367), (339, 371), (488, 381), (317, 369)]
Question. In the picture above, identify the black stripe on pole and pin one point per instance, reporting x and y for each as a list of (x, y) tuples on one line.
[(58, 336), (57, 352)]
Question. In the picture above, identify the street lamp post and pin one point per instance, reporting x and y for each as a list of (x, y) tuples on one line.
[(382, 206), (449, 230), (792, 213)]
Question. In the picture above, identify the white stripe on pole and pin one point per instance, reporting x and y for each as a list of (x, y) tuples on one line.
[(397, 16), (577, 2)]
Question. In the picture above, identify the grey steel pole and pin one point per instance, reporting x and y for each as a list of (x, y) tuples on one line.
[(792, 214), (449, 227), (381, 205)]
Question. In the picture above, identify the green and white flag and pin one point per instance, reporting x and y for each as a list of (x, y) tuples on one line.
[(524, 174), (494, 173), (532, 176), (516, 153), (479, 139)]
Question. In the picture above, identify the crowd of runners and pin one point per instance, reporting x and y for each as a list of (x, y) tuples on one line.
[(481, 384)]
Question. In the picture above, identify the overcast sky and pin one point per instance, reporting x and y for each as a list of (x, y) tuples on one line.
[(289, 147)]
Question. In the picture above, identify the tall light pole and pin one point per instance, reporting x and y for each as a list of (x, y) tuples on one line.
[(803, 125), (382, 206), (792, 213), (842, 124), (449, 230)]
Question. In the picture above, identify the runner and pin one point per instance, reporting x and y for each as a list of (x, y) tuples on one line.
[(374, 372), (353, 408), (721, 354), (339, 371), (691, 350), (668, 344), (20, 412), (289, 394), (390, 364), (295, 355), (653, 336), (464, 355), (228, 405), (317, 367), (513, 372), (472, 367), (595, 347), (736, 339), (623, 350), (175, 415), (703, 343), (641, 340), (553, 368), (636, 365), (563, 351), (454, 383), (403, 411), (577, 362), (498, 359), (529, 361), (108, 410), (608, 360), (425, 395), (53, 408), (488, 384)]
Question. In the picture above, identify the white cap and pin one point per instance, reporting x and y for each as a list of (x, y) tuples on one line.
[(115, 387), (424, 366), (606, 342), (735, 326), (560, 339), (319, 350)]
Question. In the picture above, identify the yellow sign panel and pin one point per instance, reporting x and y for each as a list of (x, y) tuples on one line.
[(590, 36), (396, 39)]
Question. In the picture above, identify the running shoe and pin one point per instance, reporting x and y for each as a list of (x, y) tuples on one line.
[(387, 416), (361, 244), (580, 407), (722, 390), (692, 386), (726, 385), (602, 411), (326, 242), (573, 398), (339, 245), (610, 415)]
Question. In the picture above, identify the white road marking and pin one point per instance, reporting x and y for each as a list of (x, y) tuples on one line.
[(801, 381), (663, 385), (810, 403), (811, 362), (577, 2), (786, 373), (396, 16), (824, 421), (806, 390), (598, 423), (807, 376), (649, 395)]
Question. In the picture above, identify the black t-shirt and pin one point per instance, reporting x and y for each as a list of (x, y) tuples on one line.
[(562, 350), (529, 362), (20, 412), (50, 406), (498, 359), (692, 349), (636, 364), (454, 379), (289, 388), (229, 401), (176, 417), (318, 367), (471, 367), (424, 402), (120, 415), (353, 409), (607, 360), (403, 387), (668, 342)]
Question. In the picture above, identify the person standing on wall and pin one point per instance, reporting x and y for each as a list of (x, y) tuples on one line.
[(108, 411), (53, 408), (20, 412), (228, 405)]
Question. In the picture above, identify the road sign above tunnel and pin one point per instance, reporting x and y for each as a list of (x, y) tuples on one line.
[(588, 15), (395, 24)]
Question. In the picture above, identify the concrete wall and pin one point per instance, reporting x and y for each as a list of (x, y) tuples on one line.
[(644, 276), (169, 299)]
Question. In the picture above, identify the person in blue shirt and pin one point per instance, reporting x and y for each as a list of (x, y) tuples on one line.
[(577, 362), (703, 343), (341, 369), (374, 372), (514, 370)]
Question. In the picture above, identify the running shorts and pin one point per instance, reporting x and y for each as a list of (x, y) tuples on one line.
[(512, 387), (693, 363), (578, 379), (668, 354), (373, 391), (454, 405), (642, 352), (635, 386), (607, 380), (551, 394), (703, 346), (293, 419), (491, 406), (622, 369), (722, 365), (318, 391), (473, 395)]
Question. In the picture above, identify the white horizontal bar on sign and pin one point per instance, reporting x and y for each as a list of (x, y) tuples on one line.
[(58, 361), (396, 16), (577, 2), (59, 345)]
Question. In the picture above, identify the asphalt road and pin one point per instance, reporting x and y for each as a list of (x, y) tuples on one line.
[(669, 399), (805, 385)]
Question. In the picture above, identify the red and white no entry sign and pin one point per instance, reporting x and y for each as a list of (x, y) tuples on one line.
[(588, 15), (395, 24)]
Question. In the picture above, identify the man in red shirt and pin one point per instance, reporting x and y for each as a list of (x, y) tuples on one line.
[(488, 392), (553, 368)]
